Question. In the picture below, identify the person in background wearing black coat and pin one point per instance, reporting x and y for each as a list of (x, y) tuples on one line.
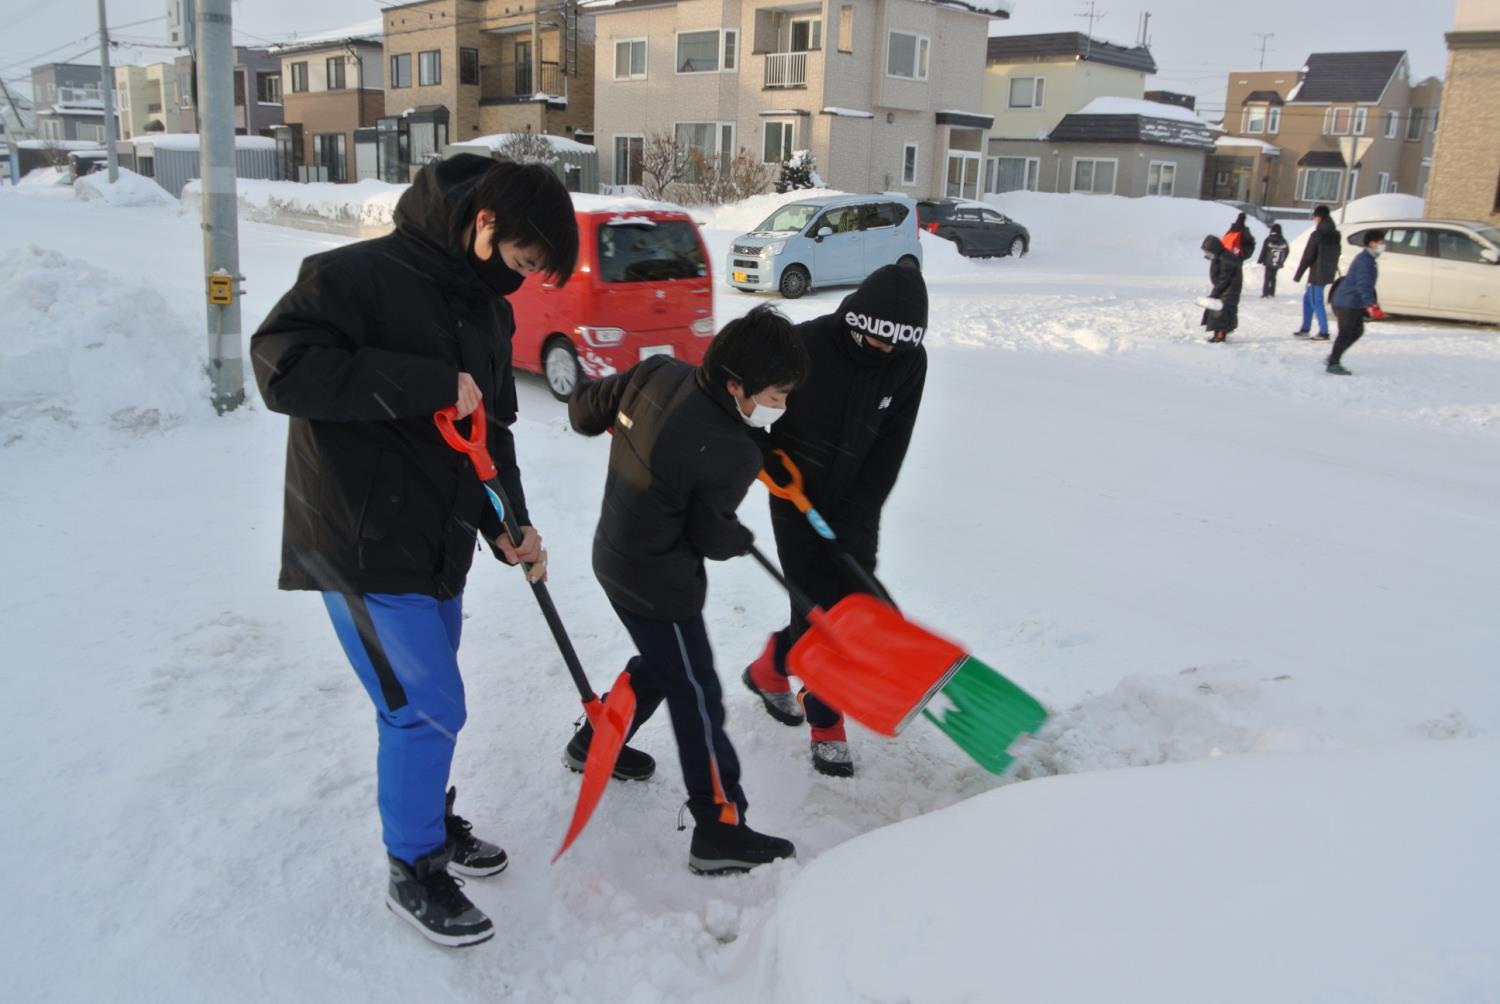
[(1239, 239), (1226, 271), (1320, 262), (847, 429), (380, 514), (681, 459), (1272, 257)]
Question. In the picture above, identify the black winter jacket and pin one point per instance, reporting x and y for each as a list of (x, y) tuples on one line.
[(360, 353), (848, 428), (1320, 258), (1273, 252), (1226, 271), (680, 464)]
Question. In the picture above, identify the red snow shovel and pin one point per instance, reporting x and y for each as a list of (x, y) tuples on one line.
[(611, 718)]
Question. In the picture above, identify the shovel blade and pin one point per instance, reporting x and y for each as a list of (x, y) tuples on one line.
[(611, 720), (874, 665), (985, 714)]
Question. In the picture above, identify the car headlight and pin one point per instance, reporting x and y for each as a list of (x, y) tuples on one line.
[(601, 337), (772, 249), (703, 327)]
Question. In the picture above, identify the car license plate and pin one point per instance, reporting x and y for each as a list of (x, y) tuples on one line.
[(656, 350), (739, 277)]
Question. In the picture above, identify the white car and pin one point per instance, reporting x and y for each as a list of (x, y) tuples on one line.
[(1448, 269)]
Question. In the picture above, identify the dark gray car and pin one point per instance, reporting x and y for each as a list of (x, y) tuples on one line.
[(977, 230)]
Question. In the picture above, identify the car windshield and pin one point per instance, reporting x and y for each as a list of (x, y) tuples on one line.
[(650, 251), (1490, 234), (787, 219)]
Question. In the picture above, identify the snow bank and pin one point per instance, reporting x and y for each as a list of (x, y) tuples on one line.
[(744, 216), (1240, 879), (45, 177), (95, 345), (130, 189), (1101, 232), (367, 202)]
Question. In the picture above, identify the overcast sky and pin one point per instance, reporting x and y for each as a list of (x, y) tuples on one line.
[(1196, 42)]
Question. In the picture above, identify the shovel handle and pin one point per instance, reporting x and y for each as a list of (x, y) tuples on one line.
[(479, 454), (802, 600)]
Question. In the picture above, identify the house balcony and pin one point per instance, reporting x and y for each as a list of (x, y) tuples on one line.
[(785, 69), (513, 82)]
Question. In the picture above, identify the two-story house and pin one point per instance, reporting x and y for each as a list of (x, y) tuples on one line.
[(1283, 130), (332, 86), (885, 94), (1466, 160), (460, 69), (140, 98), (69, 102), (257, 98)]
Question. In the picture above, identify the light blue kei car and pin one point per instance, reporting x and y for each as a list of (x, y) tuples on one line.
[(825, 242)]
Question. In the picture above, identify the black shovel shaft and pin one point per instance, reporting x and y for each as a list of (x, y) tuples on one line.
[(543, 597)]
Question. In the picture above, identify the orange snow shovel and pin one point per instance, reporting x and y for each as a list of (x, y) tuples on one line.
[(612, 717)]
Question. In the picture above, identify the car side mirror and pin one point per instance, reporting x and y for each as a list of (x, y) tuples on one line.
[(825, 232), (1490, 255)]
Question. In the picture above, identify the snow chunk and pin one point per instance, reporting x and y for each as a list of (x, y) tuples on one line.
[(45, 177), (189, 141), (559, 144), (368, 202), (130, 189), (1110, 105)]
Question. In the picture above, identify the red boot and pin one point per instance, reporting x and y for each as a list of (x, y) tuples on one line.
[(772, 687)]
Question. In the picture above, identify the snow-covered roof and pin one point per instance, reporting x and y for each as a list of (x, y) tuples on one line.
[(1137, 106), (558, 143), (371, 30), (59, 144), (848, 113), (1267, 148), (783, 111)]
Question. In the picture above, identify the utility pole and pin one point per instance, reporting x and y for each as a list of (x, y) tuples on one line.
[(111, 133), (1265, 38), (221, 237), (1088, 45)]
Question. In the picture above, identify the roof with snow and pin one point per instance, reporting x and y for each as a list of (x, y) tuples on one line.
[(1346, 76), (1270, 150), (992, 8), (1127, 120), (1136, 106), (1017, 48), (369, 31)]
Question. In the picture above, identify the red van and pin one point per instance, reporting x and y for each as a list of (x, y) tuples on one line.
[(642, 288)]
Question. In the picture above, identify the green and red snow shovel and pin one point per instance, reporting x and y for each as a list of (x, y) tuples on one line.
[(884, 686), (611, 718)]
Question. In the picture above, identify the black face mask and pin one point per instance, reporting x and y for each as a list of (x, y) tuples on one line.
[(495, 274)]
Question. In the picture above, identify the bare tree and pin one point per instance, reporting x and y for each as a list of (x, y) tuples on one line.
[(664, 163), (528, 148), (717, 181), (54, 154)]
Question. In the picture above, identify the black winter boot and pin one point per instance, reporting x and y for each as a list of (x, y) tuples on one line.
[(470, 855), (631, 765), (721, 849), (425, 896)]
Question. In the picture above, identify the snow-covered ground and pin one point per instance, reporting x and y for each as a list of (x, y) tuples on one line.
[(1216, 558)]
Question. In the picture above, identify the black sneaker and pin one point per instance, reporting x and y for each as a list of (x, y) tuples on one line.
[(1301, 334), (1320, 337), (631, 765), (470, 855), (1337, 369), (425, 896), (721, 849)]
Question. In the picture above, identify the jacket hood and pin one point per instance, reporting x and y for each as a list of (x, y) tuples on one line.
[(432, 215), (889, 306), (1212, 245)]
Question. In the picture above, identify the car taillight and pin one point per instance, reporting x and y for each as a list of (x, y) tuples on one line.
[(601, 337), (703, 327), (931, 228)]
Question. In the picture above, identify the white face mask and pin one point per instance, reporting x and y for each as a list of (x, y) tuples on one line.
[(1377, 250), (762, 416)]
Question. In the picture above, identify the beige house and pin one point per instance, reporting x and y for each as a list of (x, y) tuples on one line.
[(1283, 128), (331, 89), (1466, 162), (885, 94), (138, 98), (459, 69)]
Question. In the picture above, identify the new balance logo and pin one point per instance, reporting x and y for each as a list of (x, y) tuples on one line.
[(886, 331), (885, 403)]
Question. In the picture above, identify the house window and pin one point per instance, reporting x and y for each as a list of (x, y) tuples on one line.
[(1027, 92), (1320, 184), (429, 68), (704, 142), (807, 35), (909, 164), (630, 59), (1383, 182), (330, 152), (1414, 126), (1095, 176), (268, 88), (846, 28), (778, 143), (1434, 121), (1353, 186), (1273, 121), (1013, 174), (1336, 121), (906, 56), (1161, 178), (706, 51), (401, 70), (629, 151), (1359, 121), (299, 78), (1391, 124), (468, 66), (336, 73), (1254, 119)]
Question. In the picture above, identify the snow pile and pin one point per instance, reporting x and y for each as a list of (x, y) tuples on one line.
[(92, 344), (1334, 876), (130, 189), (189, 141), (1100, 232), (746, 215), (368, 202), (46, 177), (559, 144), (1135, 106)]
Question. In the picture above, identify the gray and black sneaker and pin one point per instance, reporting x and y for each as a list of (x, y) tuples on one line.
[(631, 765), (425, 896), (1337, 369), (721, 849), (832, 758), (468, 854)]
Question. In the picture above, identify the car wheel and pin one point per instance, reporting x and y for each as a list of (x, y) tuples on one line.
[(795, 282), (909, 261), (1017, 248), (560, 367)]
